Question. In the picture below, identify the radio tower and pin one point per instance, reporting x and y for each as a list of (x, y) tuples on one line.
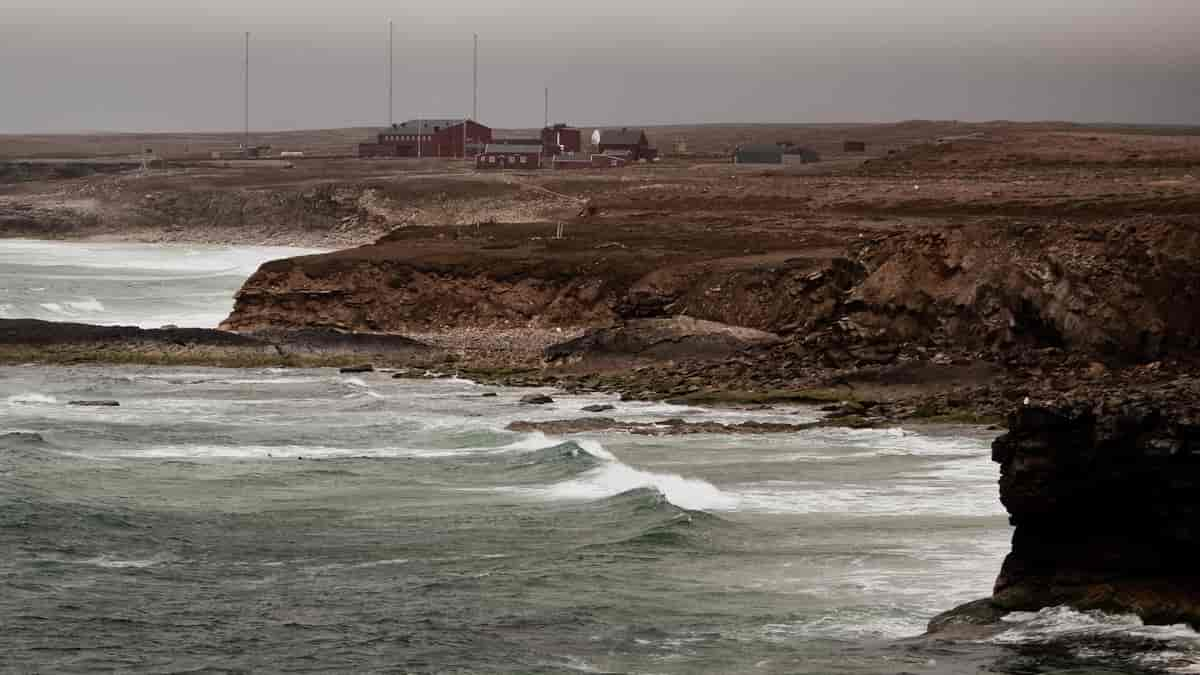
[(475, 81), (246, 101), (391, 61)]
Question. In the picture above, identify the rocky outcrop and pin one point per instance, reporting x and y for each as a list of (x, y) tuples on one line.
[(668, 427), (661, 340), (30, 339), (1105, 498)]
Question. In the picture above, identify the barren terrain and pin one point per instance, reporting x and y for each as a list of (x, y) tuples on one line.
[(974, 263)]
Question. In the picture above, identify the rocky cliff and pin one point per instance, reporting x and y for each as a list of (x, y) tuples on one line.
[(1105, 497), (1129, 294)]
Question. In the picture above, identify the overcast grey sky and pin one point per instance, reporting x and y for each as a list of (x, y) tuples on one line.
[(173, 65)]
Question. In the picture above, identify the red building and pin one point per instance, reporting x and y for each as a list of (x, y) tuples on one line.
[(632, 140), (510, 157), (561, 138), (429, 138)]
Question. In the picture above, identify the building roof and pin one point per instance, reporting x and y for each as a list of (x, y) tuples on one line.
[(493, 148), (621, 136), (516, 140), (760, 148), (425, 124)]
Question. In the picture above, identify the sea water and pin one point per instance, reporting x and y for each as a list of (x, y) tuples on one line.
[(274, 520), (147, 285)]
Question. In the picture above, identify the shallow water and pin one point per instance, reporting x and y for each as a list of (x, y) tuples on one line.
[(147, 285), (278, 520)]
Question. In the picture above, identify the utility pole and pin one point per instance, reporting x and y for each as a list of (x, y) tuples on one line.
[(246, 102), (475, 81), (391, 63), (547, 124)]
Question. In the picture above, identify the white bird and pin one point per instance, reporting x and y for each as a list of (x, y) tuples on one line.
[(1026, 401)]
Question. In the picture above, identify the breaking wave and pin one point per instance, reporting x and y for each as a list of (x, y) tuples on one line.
[(600, 475), (31, 399)]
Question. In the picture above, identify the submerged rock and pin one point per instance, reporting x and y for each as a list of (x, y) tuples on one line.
[(23, 437), (536, 399), (667, 427), (598, 408), (96, 404), (974, 619), (364, 368)]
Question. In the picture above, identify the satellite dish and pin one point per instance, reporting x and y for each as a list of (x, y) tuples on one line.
[(596, 137)]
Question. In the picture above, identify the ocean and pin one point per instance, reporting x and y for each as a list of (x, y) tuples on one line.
[(292, 520)]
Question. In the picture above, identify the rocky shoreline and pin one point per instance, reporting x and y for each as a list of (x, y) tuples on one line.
[(35, 341)]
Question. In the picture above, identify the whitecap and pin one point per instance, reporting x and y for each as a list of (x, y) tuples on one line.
[(614, 477), (31, 399), (117, 563), (88, 305)]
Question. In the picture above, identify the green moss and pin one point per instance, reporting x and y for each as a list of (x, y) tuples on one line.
[(955, 416), (736, 397)]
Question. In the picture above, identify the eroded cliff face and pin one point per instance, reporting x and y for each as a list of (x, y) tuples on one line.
[(1105, 497), (1129, 294)]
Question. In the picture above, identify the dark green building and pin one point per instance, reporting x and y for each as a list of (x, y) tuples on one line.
[(758, 154)]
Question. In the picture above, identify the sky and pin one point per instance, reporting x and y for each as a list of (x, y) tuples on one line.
[(177, 65)]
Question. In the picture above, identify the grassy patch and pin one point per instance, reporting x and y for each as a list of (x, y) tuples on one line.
[(735, 397)]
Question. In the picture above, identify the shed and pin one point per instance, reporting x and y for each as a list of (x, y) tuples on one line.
[(804, 155), (496, 156), (758, 154)]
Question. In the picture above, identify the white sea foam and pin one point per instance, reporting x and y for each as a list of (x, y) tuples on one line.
[(849, 624), (31, 399), (1057, 622), (910, 498), (88, 305), (117, 563)]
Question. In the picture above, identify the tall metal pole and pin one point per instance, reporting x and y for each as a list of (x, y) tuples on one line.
[(547, 124), (246, 101), (391, 62), (475, 81)]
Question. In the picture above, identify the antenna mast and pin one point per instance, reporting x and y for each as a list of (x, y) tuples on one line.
[(475, 81), (246, 101), (391, 62)]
